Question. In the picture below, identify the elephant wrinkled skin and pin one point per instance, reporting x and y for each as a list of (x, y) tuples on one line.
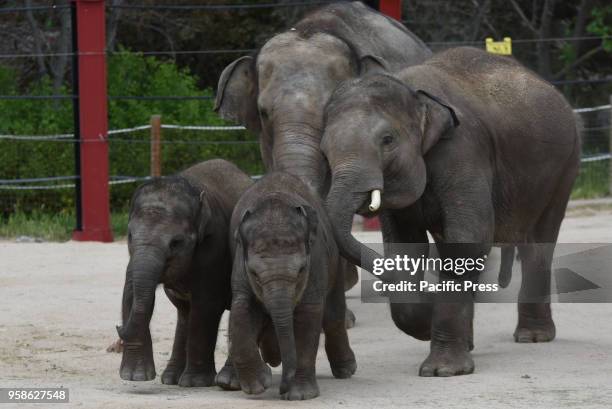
[(471, 147)]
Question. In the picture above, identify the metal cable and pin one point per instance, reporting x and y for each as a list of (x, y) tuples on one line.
[(204, 127), (216, 7), (33, 8), (250, 50)]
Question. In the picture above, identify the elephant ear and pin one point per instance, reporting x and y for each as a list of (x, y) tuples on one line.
[(437, 120), (237, 94), (238, 236), (312, 222), (372, 64), (240, 281), (205, 215)]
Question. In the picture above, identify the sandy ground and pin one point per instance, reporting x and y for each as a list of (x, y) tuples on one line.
[(59, 304)]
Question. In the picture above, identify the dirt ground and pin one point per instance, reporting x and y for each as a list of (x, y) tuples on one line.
[(60, 302)]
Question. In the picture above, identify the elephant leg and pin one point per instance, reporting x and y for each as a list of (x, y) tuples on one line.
[(339, 353), (178, 358), (452, 322), (351, 277), (413, 319), (307, 327), (246, 324), (176, 364), (203, 326), (449, 350), (227, 378), (535, 323)]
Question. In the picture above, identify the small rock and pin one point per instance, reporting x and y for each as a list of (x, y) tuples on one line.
[(526, 376), (116, 346), (28, 239)]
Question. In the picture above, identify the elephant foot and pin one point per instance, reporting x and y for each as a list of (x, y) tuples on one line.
[(302, 390), (227, 378), (258, 382), (191, 379), (535, 324), (413, 319), (544, 332), (349, 320), (343, 370), (137, 362), (447, 362), (172, 373)]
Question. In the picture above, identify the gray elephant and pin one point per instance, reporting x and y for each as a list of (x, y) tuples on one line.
[(280, 93), (471, 147), (178, 236), (286, 269)]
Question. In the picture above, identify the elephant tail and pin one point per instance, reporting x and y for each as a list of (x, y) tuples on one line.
[(505, 270)]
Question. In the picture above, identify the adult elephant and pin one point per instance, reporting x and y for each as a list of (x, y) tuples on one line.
[(280, 93), (473, 148)]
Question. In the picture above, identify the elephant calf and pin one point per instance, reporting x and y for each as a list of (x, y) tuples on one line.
[(286, 267), (178, 235)]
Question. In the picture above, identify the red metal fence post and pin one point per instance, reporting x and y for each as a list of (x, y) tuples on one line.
[(93, 122), (392, 8)]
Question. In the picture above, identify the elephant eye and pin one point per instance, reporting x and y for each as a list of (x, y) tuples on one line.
[(263, 113), (387, 139), (177, 242)]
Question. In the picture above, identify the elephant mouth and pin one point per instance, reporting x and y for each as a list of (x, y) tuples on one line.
[(365, 209)]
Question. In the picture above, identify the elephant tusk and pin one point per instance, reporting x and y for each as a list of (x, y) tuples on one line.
[(375, 201)]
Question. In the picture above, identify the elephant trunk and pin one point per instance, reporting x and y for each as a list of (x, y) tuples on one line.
[(296, 151), (143, 275), (341, 205), (280, 304)]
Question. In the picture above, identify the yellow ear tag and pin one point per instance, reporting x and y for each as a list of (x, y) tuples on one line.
[(499, 47)]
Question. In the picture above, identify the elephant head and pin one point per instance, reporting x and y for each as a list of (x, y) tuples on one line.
[(376, 135), (274, 240), (167, 220), (280, 94)]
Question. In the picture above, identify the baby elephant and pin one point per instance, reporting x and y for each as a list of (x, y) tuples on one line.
[(286, 269), (178, 236)]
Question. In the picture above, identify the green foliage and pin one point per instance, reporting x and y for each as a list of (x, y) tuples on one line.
[(133, 74), (129, 74), (602, 25), (593, 180)]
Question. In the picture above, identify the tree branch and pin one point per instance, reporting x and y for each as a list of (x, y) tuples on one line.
[(38, 40), (482, 9), (578, 61), (60, 62), (113, 23), (523, 17)]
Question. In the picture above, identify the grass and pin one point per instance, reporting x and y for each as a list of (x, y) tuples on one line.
[(593, 180), (53, 227)]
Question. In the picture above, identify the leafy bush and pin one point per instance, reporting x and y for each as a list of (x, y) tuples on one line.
[(129, 74)]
